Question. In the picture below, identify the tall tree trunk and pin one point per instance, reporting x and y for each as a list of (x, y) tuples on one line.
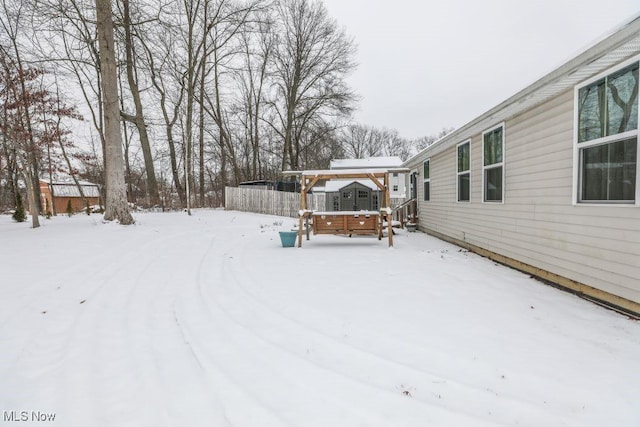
[(32, 158), (189, 141), (131, 197), (201, 101), (51, 210), (138, 118), (157, 80), (221, 136), (31, 193), (116, 204), (191, 78)]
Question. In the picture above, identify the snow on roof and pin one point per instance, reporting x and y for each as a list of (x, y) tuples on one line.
[(344, 172), (370, 162), (71, 190), (67, 181), (336, 184)]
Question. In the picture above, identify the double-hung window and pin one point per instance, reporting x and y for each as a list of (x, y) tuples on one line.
[(426, 181), (607, 138), (493, 164), (464, 172)]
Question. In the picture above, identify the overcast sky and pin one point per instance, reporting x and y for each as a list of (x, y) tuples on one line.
[(426, 65)]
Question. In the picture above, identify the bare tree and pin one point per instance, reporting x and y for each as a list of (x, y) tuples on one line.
[(10, 19), (257, 47), (67, 39), (138, 118), (116, 204), (425, 141), (311, 61), (359, 141), (194, 45), (167, 77), (227, 23)]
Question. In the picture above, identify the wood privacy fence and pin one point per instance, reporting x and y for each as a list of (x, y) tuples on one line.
[(269, 202)]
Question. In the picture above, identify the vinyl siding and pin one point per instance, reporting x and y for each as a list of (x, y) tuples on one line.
[(537, 224)]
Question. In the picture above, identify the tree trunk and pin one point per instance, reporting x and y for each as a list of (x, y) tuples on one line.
[(157, 80), (116, 203), (31, 194), (201, 101), (138, 118), (222, 136)]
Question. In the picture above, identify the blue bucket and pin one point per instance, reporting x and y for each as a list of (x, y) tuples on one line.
[(288, 238)]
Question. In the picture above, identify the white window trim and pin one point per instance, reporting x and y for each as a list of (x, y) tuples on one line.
[(468, 141), (495, 165), (577, 178), (425, 180)]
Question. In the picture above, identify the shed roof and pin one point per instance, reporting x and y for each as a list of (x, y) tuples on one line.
[(71, 190), (369, 162), (336, 185), (346, 173), (622, 43)]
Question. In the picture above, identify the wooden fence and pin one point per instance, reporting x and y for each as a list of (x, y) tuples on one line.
[(269, 202)]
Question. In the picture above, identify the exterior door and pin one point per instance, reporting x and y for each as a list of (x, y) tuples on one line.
[(414, 185), (363, 199), (347, 199)]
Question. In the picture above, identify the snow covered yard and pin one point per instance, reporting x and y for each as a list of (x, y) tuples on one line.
[(207, 320)]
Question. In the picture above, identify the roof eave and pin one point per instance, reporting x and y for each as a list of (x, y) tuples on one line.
[(628, 33)]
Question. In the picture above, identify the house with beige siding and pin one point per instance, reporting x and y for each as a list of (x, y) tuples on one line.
[(548, 181)]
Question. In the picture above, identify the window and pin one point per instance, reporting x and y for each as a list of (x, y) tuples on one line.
[(493, 164), (464, 172), (426, 182), (607, 138)]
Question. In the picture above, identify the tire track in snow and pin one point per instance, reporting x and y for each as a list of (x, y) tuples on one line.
[(482, 398), (341, 402), (100, 344), (210, 343), (175, 365), (42, 343), (95, 344)]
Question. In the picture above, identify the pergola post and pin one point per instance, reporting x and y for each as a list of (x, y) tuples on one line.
[(303, 207), (387, 196)]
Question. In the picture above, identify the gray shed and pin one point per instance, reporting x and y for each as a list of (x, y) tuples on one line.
[(352, 196)]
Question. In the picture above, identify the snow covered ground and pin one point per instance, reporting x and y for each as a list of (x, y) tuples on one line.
[(207, 320)]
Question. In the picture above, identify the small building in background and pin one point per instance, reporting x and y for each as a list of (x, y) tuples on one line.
[(56, 196), (352, 195), (397, 181)]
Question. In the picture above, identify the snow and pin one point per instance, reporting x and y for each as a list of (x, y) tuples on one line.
[(71, 190), (346, 172), (369, 162), (206, 320), (336, 185), (345, 213)]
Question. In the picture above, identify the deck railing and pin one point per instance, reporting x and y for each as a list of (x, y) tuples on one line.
[(406, 212)]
